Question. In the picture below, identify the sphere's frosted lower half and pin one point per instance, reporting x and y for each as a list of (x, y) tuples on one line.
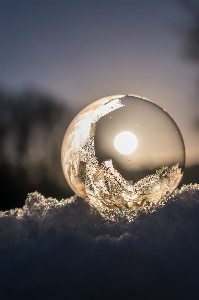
[(123, 154)]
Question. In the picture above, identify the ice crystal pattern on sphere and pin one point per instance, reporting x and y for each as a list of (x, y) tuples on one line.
[(123, 154)]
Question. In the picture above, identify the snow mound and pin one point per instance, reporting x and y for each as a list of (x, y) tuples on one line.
[(47, 216), (66, 250)]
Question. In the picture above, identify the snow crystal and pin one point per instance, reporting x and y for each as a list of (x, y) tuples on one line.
[(65, 250)]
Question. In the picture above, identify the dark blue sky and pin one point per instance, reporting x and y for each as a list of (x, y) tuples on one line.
[(80, 51)]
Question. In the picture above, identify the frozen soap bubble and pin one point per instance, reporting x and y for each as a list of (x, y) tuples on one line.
[(123, 154)]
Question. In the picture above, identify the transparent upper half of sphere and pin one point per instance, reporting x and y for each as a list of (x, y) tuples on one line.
[(123, 153)]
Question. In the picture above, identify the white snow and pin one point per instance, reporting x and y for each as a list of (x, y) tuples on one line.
[(66, 250)]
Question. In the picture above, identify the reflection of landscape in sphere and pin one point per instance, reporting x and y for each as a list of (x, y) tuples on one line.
[(123, 154)]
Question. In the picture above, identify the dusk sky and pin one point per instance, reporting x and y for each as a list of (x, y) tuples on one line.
[(80, 51), (55, 52)]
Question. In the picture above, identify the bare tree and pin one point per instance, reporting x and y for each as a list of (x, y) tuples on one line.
[(32, 127)]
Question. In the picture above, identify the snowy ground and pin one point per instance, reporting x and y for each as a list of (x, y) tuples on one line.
[(65, 250)]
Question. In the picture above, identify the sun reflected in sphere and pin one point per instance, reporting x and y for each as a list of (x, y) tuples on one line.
[(123, 154), (125, 142)]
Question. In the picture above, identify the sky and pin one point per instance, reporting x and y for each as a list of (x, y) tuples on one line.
[(80, 51)]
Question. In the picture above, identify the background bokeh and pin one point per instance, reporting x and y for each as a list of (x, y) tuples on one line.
[(58, 56)]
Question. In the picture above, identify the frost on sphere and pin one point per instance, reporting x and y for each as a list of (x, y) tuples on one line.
[(123, 154)]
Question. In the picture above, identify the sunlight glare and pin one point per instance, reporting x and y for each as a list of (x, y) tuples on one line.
[(125, 142)]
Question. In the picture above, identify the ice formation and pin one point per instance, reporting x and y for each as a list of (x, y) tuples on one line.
[(100, 182), (113, 196)]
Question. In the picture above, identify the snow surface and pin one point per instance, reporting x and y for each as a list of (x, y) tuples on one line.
[(66, 250)]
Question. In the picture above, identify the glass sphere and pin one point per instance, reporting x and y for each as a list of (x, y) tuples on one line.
[(123, 154)]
